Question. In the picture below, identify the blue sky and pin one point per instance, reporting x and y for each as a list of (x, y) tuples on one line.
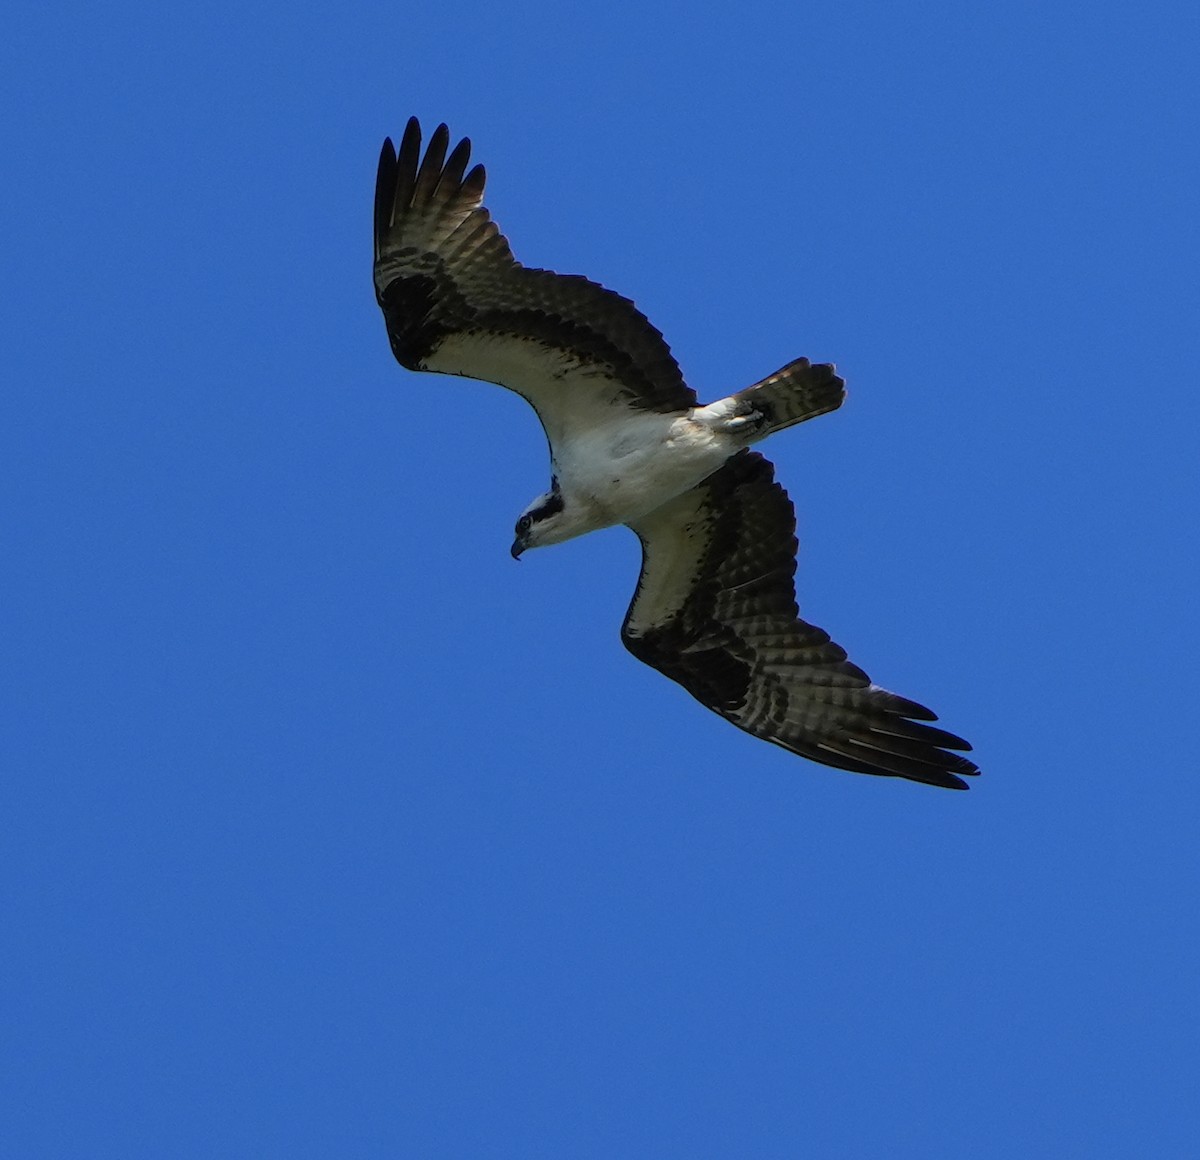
[(329, 831)]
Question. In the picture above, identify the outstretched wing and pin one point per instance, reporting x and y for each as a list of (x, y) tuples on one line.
[(456, 300), (715, 610)]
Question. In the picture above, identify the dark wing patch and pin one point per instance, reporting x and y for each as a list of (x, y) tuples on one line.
[(456, 300), (715, 610)]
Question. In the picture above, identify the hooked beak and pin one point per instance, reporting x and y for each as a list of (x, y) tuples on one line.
[(517, 548)]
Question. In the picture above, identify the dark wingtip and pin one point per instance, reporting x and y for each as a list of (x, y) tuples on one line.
[(405, 168), (385, 189), (913, 709), (410, 146), (964, 768), (931, 774), (431, 164), (475, 181), (455, 167)]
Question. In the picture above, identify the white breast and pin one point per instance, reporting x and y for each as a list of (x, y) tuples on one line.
[(634, 464)]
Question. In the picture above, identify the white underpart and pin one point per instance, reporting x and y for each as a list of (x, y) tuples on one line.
[(636, 463), (614, 462)]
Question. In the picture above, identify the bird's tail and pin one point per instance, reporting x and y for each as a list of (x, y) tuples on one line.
[(792, 394)]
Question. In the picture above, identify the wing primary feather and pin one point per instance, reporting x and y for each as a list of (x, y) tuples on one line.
[(473, 184), (899, 747), (385, 191), (897, 765), (882, 766), (903, 706), (406, 166), (431, 167), (450, 182), (918, 731)]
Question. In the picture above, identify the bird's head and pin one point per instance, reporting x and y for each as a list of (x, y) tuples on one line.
[(545, 521)]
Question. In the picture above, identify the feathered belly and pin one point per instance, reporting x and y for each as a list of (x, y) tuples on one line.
[(624, 473)]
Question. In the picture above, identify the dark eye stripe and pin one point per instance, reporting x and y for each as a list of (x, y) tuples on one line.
[(551, 507)]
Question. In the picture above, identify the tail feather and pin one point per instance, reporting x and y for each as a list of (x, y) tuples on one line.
[(792, 394)]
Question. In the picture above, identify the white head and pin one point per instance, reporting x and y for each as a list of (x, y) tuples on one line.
[(549, 520)]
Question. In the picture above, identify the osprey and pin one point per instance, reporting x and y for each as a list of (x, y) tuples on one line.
[(715, 606)]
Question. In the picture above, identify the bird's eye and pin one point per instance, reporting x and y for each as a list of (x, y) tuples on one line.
[(524, 524)]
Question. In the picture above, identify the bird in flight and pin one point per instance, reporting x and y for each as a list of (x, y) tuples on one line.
[(715, 606)]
